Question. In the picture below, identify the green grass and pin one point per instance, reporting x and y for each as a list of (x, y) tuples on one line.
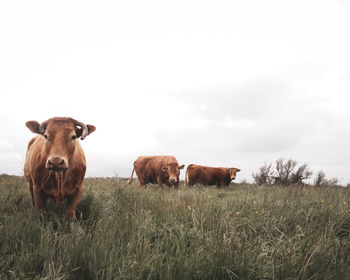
[(125, 232)]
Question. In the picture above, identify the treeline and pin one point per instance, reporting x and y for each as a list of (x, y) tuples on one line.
[(288, 173)]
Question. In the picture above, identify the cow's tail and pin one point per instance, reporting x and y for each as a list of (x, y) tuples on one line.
[(186, 177), (131, 176)]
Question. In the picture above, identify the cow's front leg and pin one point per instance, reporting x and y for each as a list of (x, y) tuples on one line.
[(30, 187), (39, 196), (72, 201), (159, 181)]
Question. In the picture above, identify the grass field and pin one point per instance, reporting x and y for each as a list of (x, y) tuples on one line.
[(125, 232)]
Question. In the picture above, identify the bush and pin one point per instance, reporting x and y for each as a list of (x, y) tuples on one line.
[(285, 173), (265, 176), (321, 181)]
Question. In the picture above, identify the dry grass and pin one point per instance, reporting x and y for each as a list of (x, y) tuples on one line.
[(124, 232)]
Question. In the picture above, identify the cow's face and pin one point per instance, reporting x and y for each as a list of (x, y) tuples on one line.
[(172, 170), (60, 136), (232, 172)]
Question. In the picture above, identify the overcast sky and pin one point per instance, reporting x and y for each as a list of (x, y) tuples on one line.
[(220, 83)]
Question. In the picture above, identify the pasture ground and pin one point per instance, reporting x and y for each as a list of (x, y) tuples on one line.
[(125, 232)]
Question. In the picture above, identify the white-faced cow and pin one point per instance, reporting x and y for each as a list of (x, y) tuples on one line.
[(205, 175), (55, 163), (157, 170)]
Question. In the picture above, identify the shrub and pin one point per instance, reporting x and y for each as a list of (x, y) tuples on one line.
[(265, 175), (321, 181), (285, 173)]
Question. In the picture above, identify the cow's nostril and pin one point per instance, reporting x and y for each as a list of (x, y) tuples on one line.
[(57, 163)]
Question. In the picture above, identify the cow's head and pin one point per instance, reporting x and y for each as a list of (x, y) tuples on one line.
[(60, 136), (232, 172), (172, 170)]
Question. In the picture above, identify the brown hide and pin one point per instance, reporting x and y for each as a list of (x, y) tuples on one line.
[(157, 170), (55, 163), (205, 175)]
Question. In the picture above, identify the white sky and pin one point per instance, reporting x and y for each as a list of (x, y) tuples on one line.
[(222, 83)]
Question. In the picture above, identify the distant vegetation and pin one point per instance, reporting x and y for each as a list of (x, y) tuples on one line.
[(322, 181), (287, 173), (127, 232)]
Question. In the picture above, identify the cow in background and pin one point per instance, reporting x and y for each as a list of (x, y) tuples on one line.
[(205, 175), (157, 170), (55, 163)]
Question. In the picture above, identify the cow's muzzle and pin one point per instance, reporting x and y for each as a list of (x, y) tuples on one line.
[(172, 180), (56, 164)]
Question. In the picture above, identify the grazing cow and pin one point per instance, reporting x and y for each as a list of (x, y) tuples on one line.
[(55, 163), (157, 170), (205, 175)]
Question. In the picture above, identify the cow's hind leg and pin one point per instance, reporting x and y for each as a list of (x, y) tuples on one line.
[(190, 182), (141, 182)]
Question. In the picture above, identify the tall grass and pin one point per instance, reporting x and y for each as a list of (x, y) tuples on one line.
[(127, 232)]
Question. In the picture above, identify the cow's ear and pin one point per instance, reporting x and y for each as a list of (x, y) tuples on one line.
[(33, 126), (91, 128), (237, 170), (79, 131), (181, 166)]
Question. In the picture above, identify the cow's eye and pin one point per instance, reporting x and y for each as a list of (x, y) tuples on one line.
[(74, 137), (45, 135)]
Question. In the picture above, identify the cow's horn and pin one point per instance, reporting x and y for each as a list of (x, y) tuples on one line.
[(84, 128), (42, 127)]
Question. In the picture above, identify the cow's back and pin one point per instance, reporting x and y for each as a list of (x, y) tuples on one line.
[(141, 162), (198, 174)]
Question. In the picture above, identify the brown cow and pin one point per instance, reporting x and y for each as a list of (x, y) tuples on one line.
[(55, 163), (205, 175), (157, 170)]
